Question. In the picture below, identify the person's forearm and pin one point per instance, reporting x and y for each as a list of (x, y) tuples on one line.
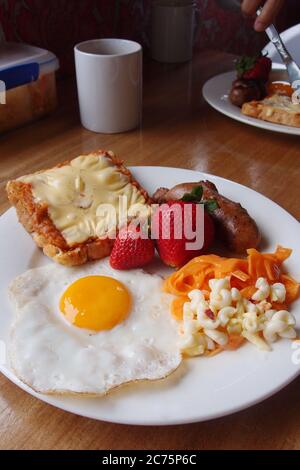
[(270, 10)]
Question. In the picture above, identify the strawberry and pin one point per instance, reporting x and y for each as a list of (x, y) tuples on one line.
[(131, 250), (173, 249), (254, 68)]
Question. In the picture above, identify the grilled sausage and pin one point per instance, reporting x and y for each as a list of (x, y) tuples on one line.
[(235, 226), (175, 194), (244, 91)]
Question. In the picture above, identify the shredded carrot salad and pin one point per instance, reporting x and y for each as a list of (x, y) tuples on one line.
[(280, 88), (243, 275)]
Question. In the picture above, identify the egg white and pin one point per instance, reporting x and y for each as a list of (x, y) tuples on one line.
[(54, 357)]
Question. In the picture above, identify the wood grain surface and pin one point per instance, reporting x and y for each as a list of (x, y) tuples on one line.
[(178, 130)]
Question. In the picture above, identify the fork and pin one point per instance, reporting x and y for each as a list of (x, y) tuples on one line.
[(292, 68)]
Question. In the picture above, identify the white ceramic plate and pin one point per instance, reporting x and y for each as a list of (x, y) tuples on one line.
[(216, 92), (202, 388)]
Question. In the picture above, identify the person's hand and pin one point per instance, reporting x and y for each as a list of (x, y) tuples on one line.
[(270, 10)]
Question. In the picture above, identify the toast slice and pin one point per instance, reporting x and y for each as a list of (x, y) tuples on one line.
[(59, 207), (276, 108)]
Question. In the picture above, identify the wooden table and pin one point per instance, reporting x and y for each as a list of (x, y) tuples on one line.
[(180, 130)]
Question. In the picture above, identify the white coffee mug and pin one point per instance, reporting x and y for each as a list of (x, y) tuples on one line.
[(109, 83), (172, 30)]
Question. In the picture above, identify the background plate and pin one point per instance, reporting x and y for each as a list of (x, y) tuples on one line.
[(201, 388), (217, 89)]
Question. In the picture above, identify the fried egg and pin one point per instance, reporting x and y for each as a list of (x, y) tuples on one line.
[(88, 330)]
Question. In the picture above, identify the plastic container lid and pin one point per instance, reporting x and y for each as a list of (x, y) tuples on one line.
[(22, 63)]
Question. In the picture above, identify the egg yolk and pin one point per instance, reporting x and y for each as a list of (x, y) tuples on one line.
[(96, 303)]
